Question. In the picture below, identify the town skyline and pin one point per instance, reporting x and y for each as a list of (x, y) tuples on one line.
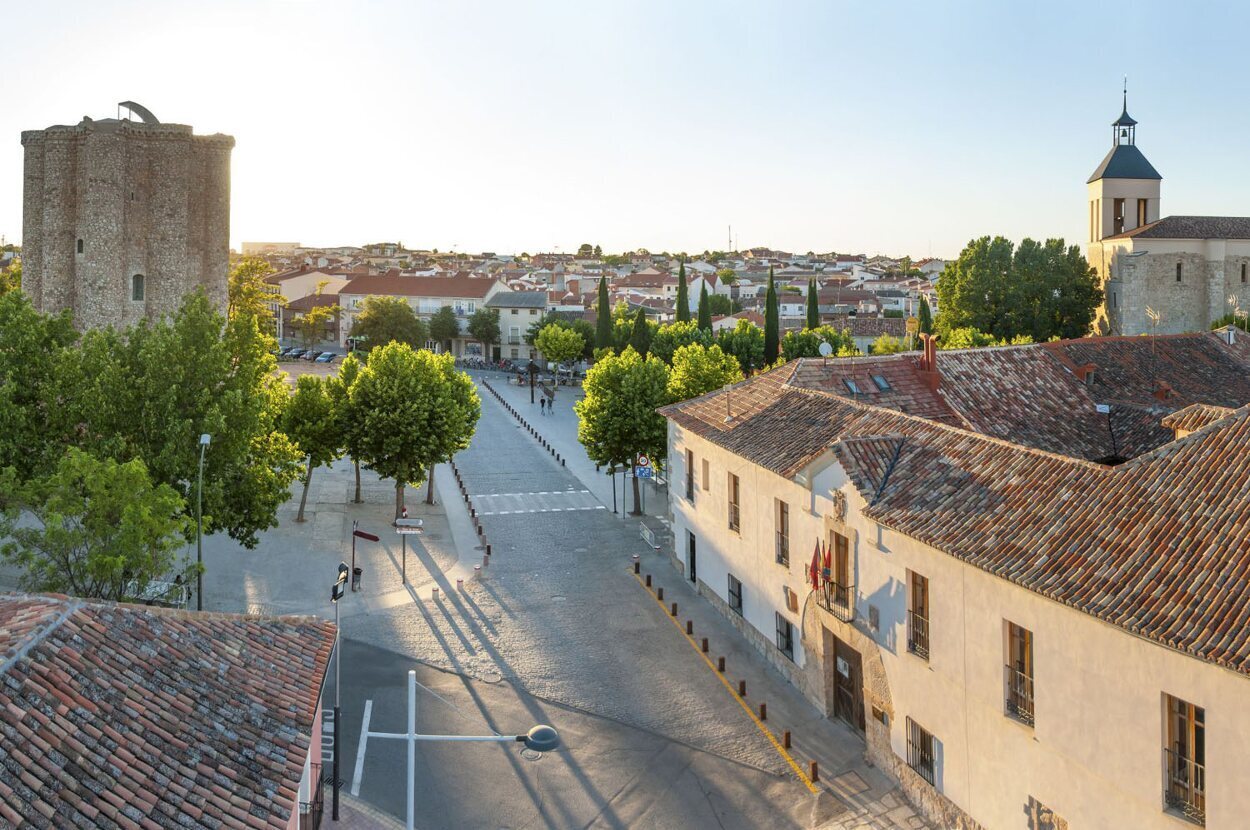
[(779, 125)]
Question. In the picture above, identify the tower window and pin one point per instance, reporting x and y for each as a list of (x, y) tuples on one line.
[(136, 288), (1243, 272), (1178, 272), (80, 246), (1118, 218), (1141, 212)]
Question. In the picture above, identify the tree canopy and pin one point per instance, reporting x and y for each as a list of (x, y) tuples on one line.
[(925, 317), (699, 369), (806, 343), (669, 338), (745, 341), (603, 318), (347, 424), (1038, 290), (617, 419), (383, 320), (813, 305), (641, 333), (94, 528), (444, 327), (310, 421), (414, 410), (11, 278), (683, 295), (705, 310), (248, 295), (560, 344), (887, 344), (772, 322), (484, 327)]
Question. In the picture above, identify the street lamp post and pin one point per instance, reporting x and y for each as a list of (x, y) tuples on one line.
[(336, 594), (540, 738), (205, 438), (533, 370)]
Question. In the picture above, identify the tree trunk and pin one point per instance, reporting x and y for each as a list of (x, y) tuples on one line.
[(429, 490), (637, 511), (399, 499), (299, 517), (356, 464)]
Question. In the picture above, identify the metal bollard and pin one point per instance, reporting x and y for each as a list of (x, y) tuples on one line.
[(763, 711), (659, 593), (460, 583), (815, 775), (673, 613), (742, 688), (648, 580), (720, 664), (785, 739), (705, 645), (488, 550), (637, 567), (689, 626)]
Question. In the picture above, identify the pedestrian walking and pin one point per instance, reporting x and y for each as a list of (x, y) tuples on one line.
[(542, 406)]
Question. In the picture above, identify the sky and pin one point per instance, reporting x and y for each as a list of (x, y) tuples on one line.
[(869, 127)]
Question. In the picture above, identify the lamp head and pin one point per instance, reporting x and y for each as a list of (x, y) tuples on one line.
[(205, 439), (541, 738)]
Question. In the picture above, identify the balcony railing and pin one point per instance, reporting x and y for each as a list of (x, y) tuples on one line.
[(838, 600), (1185, 786), (1019, 693), (515, 340), (918, 635), (733, 517), (782, 551), (310, 811)]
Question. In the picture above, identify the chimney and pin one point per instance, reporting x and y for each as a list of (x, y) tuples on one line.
[(1086, 373), (928, 361), (1163, 390)]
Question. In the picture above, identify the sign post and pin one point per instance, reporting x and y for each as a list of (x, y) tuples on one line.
[(406, 527), (357, 533)]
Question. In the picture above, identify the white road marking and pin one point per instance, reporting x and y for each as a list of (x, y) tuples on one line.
[(360, 750), (539, 510)]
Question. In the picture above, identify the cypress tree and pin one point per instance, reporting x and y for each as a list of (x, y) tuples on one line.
[(683, 296), (926, 317), (772, 322), (640, 337), (705, 310), (813, 309), (603, 325)]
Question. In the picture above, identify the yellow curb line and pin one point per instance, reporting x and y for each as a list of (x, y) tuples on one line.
[(781, 750)]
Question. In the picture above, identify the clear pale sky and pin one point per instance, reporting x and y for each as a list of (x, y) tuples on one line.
[(505, 126)]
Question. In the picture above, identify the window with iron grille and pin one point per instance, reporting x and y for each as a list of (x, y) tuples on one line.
[(918, 615), (1018, 674), (783, 533), (735, 594), (920, 751), (785, 636), (734, 513), (1184, 760)]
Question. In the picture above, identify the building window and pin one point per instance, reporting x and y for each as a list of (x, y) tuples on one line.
[(882, 383), (690, 476), (783, 533), (851, 385), (1019, 673), (735, 595), (515, 353), (1184, 759), (785, 636), (707, 479), (1178, 272), (1141, 212), (136, 288), (918, 615), (1243, 272), (734, 513), (1118, 218), (1092, 221), (80, 246), (920, 755), (533, 311)]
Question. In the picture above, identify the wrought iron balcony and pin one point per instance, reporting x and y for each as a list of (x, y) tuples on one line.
[(310, 811), (918, 635), (838, 600), (1185, 786), (1019, 694)]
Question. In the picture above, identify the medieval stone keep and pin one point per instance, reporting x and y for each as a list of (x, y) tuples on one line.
[(123, 218)]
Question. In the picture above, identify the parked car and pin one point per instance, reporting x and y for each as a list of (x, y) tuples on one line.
[(292, 353), (311, 354), (326, 357)]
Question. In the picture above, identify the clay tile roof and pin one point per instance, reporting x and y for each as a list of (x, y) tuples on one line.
[(1195, 417), (1192, 227), (118, 715), (397, 286)]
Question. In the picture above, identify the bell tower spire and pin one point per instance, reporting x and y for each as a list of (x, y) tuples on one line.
[(1124, 128)]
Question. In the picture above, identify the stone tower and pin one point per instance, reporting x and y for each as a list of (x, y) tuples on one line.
[(1124, 190), (123, 218)]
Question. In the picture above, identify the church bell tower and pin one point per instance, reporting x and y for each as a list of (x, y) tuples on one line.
[(1124, 190)]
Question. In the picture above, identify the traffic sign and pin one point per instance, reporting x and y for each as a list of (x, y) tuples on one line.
[(643, 472), (913, 325), (643, 461)]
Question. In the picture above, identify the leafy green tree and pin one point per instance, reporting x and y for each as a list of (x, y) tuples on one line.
[(415, 410), (585, 250), (310, 327), (745, 341), (248, 295), (705, 310), (772, 321), (560, 344), (640, 335), (598, 251), (149, 391), (444, 327), (11, 278), (668, 339), (1041, 290), (727, 276), (813, 305), (94, 528), (310, 422), (385, 320), (925, 317), (699, 369), (577, 324), (338, 388), (617, 418), (30, 351), (484, 326), (887, 344), (721, 305), (806, 343), (683, 295), (1233, 318), (965, 337), (603, 317)]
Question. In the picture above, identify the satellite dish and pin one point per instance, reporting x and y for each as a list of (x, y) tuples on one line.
[(825, 349)]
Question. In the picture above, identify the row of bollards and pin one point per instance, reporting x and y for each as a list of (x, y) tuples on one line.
[(542, 441), (478, 527), (813, 768)]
